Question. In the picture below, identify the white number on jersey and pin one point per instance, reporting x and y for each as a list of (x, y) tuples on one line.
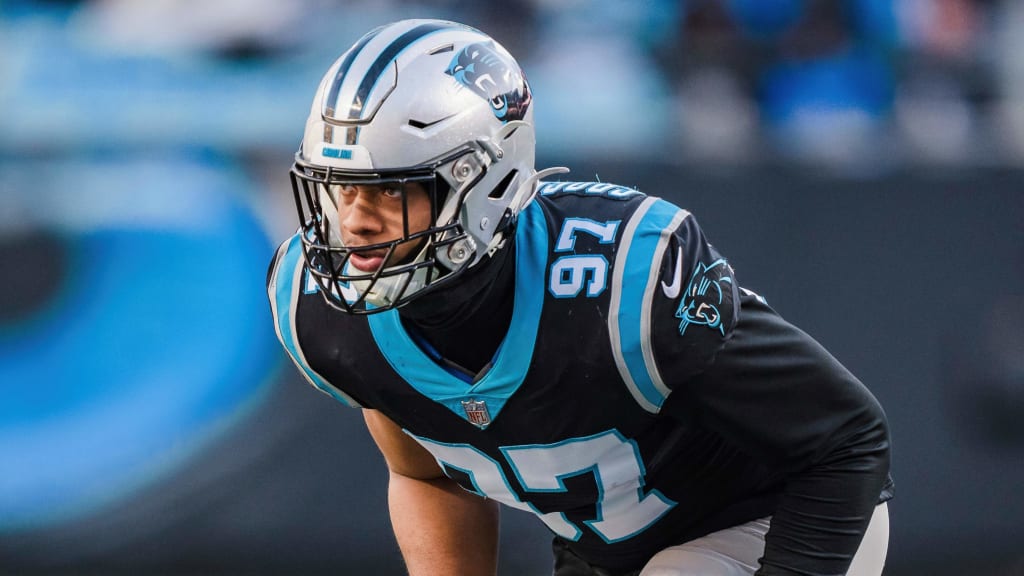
[(571, 272), (623, 509)]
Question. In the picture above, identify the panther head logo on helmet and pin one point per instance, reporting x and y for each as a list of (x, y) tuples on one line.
[(486, 72)]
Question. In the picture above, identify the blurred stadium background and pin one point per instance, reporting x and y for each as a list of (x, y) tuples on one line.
[(860, 161)]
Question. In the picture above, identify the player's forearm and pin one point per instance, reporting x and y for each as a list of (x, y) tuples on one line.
[(442, 529), (825, 510)]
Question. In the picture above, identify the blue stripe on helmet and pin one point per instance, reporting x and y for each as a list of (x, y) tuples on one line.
[(339, 77), (385, 58)]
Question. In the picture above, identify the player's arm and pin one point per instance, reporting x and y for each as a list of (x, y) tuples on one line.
[(737, 368), (440, 528), (779, 395)]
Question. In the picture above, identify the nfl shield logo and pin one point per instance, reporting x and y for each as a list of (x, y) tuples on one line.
[(476, 412)]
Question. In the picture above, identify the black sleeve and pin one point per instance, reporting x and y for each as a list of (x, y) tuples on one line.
[(777, 394), (730, 364)]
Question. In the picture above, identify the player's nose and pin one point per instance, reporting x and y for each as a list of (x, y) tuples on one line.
[(360, 216)]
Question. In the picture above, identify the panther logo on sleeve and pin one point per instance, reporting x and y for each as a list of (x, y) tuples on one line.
[(705, 296), (491, 75)]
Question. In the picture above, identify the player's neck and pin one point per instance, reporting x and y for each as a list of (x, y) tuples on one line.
[(467, 322)]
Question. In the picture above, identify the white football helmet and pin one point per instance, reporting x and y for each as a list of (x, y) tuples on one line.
[(426, 101)]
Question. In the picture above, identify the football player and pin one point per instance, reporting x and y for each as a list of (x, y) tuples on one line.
[(578, 350)]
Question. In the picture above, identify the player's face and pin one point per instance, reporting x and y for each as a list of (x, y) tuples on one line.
[(372, 214)]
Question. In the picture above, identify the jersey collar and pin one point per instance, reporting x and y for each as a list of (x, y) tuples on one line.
[(513, 358)]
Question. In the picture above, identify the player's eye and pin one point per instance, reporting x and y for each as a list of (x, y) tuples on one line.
[(341, 191), (394, 192)]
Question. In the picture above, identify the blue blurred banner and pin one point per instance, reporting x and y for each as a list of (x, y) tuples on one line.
[(152, 333)]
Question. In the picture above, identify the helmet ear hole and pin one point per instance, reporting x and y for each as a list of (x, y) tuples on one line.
[(504, 186), (442, 189)]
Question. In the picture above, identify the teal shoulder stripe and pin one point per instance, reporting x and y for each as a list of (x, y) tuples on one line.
[(634, 279), (284, 290), (516, 351)]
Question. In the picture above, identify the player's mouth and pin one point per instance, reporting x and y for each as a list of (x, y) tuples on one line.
[(367, 261)]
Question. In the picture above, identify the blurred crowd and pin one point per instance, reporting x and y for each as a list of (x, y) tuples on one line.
[(863, 84)]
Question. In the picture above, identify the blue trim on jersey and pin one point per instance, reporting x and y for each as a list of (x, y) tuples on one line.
[(288, 270), (511, 362), (639, 260)]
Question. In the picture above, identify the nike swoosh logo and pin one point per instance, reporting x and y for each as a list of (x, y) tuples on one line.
[(424, 125), (672, 290)]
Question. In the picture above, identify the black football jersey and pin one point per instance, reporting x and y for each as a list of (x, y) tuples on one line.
[(639, 399)]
